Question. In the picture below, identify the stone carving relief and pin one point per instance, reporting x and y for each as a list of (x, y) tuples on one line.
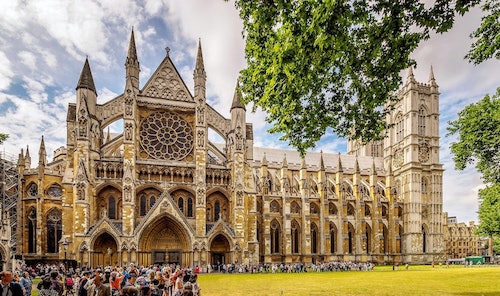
[(129, 101), (423, 152), (398, 159), (128, 131), (167, 85)]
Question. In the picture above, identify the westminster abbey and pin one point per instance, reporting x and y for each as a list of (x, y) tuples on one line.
[(162, 192)]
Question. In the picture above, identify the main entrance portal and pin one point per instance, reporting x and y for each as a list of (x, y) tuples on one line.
[(220, 251), (165, 241)]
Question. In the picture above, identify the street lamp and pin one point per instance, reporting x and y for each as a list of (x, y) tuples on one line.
[(65, 244), (109, 253)]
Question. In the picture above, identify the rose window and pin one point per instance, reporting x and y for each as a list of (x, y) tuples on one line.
[(166, 136)]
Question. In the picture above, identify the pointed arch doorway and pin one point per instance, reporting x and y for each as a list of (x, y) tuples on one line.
[(220, 252), (105, 251)]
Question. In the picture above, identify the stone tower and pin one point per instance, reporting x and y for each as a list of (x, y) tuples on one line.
[(411, 152)]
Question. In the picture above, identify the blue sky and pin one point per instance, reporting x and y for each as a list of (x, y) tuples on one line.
[(44, 45)]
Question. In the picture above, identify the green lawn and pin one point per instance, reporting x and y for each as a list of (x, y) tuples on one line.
[(418, 280)]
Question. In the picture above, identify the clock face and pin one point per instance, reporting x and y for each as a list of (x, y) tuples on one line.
[(166, 136), (398, 159), (423, 152)]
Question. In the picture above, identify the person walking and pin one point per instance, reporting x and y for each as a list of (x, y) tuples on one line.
[(26, 283)]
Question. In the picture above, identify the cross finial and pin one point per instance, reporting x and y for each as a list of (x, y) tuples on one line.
[(167, 49)]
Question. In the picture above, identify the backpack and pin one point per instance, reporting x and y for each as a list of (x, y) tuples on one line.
[(69, 282)]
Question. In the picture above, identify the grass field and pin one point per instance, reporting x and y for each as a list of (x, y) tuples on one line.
[(418, 280)]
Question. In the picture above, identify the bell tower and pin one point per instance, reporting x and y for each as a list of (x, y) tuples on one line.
[(411, 152)]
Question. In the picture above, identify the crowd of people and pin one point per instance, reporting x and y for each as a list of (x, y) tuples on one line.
[(56, 280), (164, 280)]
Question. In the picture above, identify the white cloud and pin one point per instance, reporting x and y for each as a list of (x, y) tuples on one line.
[(28, 59), (6, 72)]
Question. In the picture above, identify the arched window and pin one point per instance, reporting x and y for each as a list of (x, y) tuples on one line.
[(333, 237), (295, 237), (54, 191), (421, 121), (424, 240), (33, 189), (274, 207), (32, 230), (295, 208), (54, 230), (146, 199), (400, 129), (424, 185), (368, 236), (332, 209), (350, 238), (368, 211), (190, 207), (385, 245), (217, 211), (314, 208), (314, 238), (384, 211), (350, 209), (142, 206), (180, 204), (364, 192), (275, 237), (111, 207)]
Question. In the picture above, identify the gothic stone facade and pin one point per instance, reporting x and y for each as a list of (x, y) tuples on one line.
[(460, 238), (162, 192)]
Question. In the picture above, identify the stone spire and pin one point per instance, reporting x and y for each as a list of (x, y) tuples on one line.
[(86, 80), (356, 166), (432, 80), (410, 77), (199, 76), (27, 157), (132, 67), (321, 161), (20, 160), (339, 164), (200, 66), (284, 164), (42, 154), (237, 97), (374, 169), (264, 160)]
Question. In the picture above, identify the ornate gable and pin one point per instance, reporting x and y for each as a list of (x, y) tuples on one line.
[(166, 83)]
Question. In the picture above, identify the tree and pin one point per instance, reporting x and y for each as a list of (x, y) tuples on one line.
[(3, 137), (478, 130), (487, 44), (318, 66), (489, 211)]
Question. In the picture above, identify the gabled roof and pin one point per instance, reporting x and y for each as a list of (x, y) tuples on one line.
[(166, 83)]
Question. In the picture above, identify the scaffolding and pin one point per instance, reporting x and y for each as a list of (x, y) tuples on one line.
[(9, 194)]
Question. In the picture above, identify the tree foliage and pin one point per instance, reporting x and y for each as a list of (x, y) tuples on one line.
[(487, 44), (489, 211), (333, 65), (478, 130), (3, 137)]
